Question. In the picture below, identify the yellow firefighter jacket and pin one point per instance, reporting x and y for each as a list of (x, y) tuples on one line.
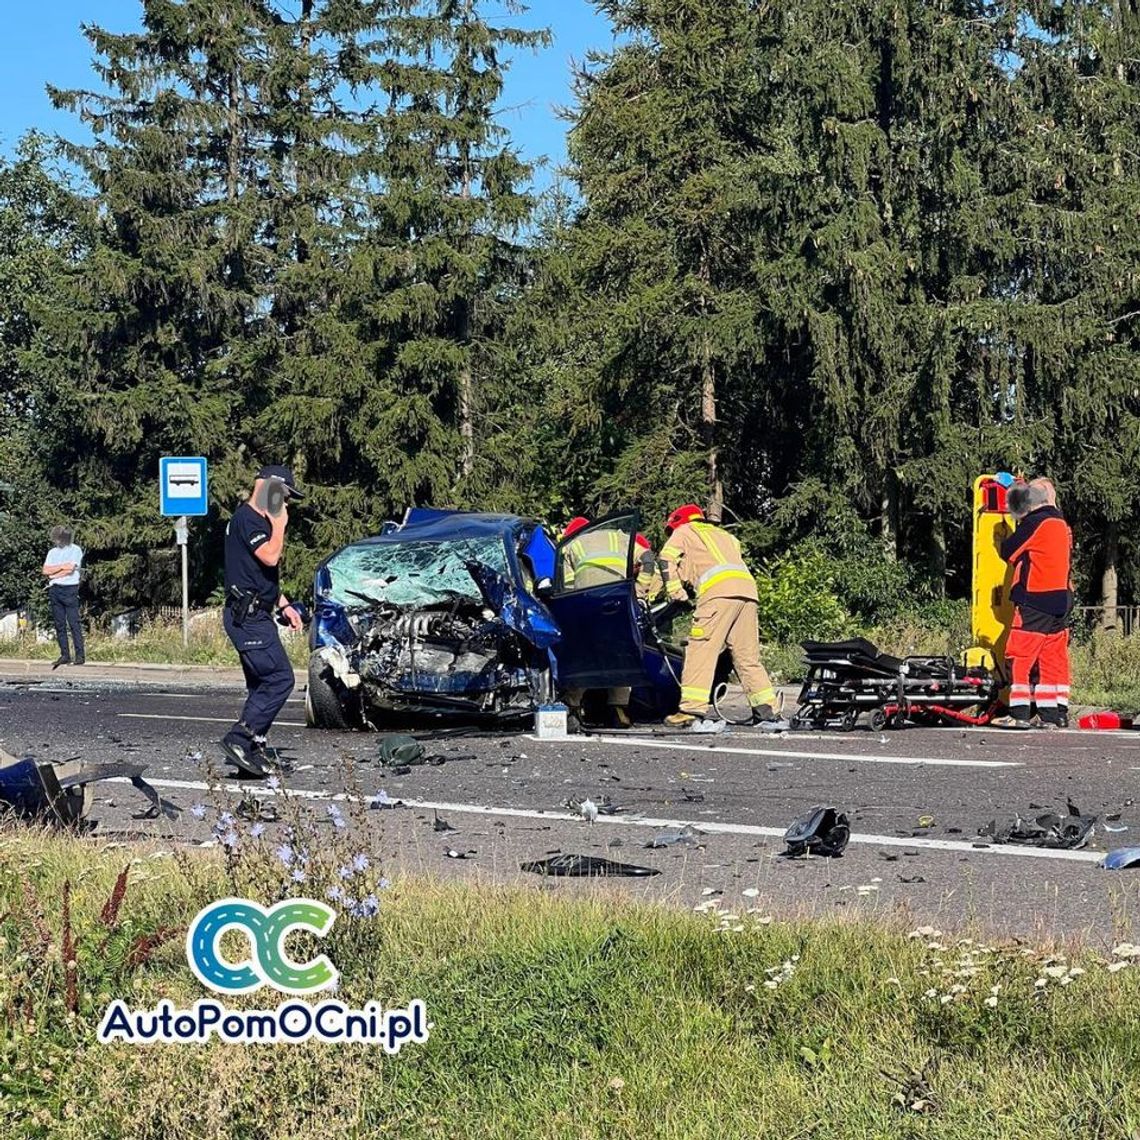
[(595, 559), (708, 560)]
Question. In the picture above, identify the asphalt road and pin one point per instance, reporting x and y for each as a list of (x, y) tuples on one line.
[(506, 795)]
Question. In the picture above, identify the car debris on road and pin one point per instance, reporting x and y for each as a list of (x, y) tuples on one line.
[(60, 794), (1067, 832), (822, 831), (1122, 859), (582, 866), (687, 836)]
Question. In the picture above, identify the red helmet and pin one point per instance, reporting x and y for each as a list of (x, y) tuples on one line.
[(682, 515), (641, 542), (576, 524)]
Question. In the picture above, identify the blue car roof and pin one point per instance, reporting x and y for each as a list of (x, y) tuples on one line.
[(426, 525)]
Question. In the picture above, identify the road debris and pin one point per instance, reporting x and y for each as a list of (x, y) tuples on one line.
[(399, 749), (581, 866), (383, 800), (256, 811), (822, 831), (1050, 830), (707, 727), (1122, 859), (588, 810), (687, 836), (441, 824), (60, 794)]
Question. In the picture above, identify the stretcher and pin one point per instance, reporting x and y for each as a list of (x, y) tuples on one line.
[(846, 680)]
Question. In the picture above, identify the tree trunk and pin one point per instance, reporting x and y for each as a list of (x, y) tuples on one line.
[(890, 516), (1109, 578), (714, 488), (233, 156), (714, 506), (466, 376), (938, 555)]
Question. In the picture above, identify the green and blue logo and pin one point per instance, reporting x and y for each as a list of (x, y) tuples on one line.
[(267, 929)]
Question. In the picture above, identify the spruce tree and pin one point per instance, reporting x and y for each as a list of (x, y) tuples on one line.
[(442, 263), (41, 235), (131, 362)]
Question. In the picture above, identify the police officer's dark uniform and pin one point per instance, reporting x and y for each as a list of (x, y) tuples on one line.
[(252, 593)]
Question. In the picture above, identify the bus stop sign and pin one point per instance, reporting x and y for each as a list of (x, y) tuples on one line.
[(182, 485)]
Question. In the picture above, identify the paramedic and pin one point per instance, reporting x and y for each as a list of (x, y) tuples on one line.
[(1039, 551)]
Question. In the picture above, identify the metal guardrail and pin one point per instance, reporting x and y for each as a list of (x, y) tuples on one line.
[(1123, 619)]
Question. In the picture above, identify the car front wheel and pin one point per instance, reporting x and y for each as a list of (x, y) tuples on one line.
[(327, 703)]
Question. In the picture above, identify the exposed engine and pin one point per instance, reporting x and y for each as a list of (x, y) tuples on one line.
[(458, 651)]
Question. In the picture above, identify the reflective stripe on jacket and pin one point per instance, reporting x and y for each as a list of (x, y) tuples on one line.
[(598, 557), (708, 560)]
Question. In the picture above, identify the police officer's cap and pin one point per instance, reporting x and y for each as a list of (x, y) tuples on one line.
[(285, 474)]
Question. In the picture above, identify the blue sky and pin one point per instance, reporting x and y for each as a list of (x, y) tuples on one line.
[(43, 44)]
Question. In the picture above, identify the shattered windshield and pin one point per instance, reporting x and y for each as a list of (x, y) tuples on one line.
[(413, 573)]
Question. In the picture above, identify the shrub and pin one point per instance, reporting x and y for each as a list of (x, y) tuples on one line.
[(797, 599)]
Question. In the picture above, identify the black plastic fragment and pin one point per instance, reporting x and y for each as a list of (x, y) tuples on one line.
[(823, 831), (1057, 832), (582, 866)]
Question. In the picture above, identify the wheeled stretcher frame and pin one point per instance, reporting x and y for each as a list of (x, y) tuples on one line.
[(849, 679)]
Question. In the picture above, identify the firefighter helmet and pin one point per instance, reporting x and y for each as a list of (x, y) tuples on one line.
[(580, 522), (682, 515)]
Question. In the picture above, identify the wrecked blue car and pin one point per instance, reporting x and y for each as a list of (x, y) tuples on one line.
[(457, 613)]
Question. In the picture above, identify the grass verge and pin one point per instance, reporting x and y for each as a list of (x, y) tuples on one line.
[(157, 642), (587, 1018)]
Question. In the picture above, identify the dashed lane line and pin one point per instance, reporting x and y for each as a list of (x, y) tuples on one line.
[(206, 719)]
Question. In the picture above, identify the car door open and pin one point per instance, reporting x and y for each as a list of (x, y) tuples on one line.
[(595, 604)]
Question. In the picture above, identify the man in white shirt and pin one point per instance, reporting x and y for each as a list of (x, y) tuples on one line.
[(61, 569)]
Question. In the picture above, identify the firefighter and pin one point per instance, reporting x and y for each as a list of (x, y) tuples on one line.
[(708, 561), (596, 559), (1040, 552), (648, 577)]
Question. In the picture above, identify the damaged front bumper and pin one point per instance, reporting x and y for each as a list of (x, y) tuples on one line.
[(459, 658)]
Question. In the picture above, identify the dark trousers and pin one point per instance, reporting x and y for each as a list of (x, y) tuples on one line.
[(268, 670), (65, 615)]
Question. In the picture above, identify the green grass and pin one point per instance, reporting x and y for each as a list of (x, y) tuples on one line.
[(556, 1018), (158, 642)]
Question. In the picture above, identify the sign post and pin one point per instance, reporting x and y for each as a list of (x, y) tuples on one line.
[(183, 487)]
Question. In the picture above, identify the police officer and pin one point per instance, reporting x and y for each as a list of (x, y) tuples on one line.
[(255, 539)]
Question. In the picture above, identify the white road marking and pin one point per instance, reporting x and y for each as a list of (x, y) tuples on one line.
[(864, 758), (710, 827), (206, 719)]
